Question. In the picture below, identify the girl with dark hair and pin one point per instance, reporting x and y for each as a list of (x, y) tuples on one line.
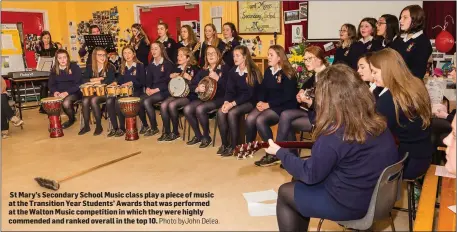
[(197, 111), (299, 119), (94, 30), (185, 67), (131, 73), (100, 72), (156, 83), (366, 35), (210, 39), (387, 30), (140, 42), (168, 43), (345, 51), (189, 40), (231, 39), (64, 82), (239, 99), (45, 48), (353, 147), (275, 95), (413, 44)]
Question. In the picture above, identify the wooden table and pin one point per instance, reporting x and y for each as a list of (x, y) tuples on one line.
[(446, 218), (15, 83)]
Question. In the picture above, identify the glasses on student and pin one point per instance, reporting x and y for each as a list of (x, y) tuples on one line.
[(308, 60)]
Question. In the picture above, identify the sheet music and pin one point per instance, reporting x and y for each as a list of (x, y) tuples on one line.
[(441, 171), (452, 208), (435, 88)]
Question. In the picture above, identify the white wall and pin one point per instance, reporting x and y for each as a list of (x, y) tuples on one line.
[(326, 17)]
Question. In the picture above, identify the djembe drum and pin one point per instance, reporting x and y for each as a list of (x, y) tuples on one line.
[(52, 106), (130, 106)]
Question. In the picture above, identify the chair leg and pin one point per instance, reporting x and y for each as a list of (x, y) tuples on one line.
[(392, 222), (410, 215), (184, 130), (215, 129), (320, 224), (413, 200)]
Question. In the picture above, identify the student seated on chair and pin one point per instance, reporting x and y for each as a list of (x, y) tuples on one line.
[(197, 111), (64, 82), (186, 68), (100, 72), (131, 74), (353, 146), (450, 150), (156, 87), (405, 104), (7, 113)]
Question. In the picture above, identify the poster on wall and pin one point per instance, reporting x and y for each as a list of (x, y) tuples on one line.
[(303, 16), (297, 33), (259, 17)]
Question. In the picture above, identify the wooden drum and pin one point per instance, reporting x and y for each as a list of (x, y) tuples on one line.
[(52, 106), (87, 89), (130, 106), (100, 89)]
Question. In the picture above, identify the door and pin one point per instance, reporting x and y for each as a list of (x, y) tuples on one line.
[(32, 26), (171, 15)]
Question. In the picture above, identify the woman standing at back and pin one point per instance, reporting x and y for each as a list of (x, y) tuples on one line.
[(405, 103)]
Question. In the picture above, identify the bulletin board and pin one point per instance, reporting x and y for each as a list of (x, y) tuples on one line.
[(11, 55)]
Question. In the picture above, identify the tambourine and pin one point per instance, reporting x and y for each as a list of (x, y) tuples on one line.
[(210, 89), (178, 87)]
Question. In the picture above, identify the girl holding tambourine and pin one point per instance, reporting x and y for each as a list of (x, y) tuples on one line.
[(100, 72), (156, 83), (197, 111), (187, 69), (131, 74)]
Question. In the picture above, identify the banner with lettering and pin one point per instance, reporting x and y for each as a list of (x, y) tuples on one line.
[(259, 17)]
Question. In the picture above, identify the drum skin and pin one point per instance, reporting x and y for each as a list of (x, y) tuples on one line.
[(178, 87), (210, 89)]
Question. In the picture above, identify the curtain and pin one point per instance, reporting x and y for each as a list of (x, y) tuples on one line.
[(435, 12), (292, 5)]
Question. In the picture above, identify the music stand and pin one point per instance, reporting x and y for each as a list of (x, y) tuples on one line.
[(104, 41), (45, 63)]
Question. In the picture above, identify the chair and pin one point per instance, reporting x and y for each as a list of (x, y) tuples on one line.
[(380, 207), (212, 115)]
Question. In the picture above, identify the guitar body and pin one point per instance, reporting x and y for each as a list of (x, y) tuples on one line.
[(247, 150)]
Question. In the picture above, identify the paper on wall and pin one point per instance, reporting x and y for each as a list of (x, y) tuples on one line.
[(7, 42)]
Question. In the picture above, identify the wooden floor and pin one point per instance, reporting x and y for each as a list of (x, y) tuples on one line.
[(162, 167)]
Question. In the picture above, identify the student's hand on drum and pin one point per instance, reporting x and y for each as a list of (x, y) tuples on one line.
[(187, 76), (64, 94), (201, 88), (213, 75), (113, 84), (173, 75), (56, 94)]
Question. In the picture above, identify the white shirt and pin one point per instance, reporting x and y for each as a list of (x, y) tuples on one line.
[(383, 91), (182, 67), (229, 40), (368, 40), (184, 43), (130, 66), (160, 61), (415, 35), (273, 70), (372, 86), (239, 71), (164, 39)]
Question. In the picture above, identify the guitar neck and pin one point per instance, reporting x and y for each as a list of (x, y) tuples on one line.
[(307, 145)]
